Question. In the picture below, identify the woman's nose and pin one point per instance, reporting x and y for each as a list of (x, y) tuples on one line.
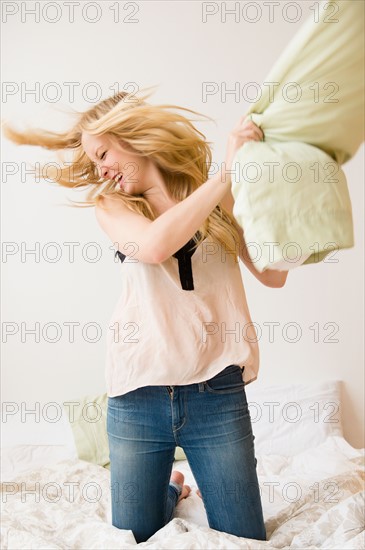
[(103, 171)]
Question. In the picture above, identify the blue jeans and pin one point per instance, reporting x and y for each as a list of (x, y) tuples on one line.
[(211, 421)]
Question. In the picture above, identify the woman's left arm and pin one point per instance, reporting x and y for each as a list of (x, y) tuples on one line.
[(271, 277)]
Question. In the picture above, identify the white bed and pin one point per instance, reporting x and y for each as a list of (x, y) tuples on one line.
[(311, 479)]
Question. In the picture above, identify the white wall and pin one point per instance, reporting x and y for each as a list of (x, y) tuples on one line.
[(170, 46)]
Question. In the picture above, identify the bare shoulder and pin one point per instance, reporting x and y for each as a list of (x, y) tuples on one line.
[(111, 210), (110, 203), (123, 226)]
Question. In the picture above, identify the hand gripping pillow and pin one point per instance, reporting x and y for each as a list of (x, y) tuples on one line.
[(291, 195)]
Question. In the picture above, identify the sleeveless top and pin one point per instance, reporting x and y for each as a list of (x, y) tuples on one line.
[(180, 322)]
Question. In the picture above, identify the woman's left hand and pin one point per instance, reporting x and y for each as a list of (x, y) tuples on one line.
[(245, 130)]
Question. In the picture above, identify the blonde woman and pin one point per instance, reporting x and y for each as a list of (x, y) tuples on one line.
[(181, 345)]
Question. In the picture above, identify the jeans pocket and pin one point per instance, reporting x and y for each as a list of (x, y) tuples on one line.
[(228, 380)]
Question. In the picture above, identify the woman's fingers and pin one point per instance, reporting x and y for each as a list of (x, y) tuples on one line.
[(256, 129), (245, 124), (259, 133), (252, 133)]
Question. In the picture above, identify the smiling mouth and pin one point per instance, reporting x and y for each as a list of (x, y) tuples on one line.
[(118, 178)]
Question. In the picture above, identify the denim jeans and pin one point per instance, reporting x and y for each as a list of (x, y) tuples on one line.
[(211, 421)]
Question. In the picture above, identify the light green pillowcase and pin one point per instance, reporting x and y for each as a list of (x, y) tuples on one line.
[(293, 202), (314, 93), (87, 417), (311, 110)]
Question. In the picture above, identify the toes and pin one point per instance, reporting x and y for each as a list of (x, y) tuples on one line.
[(177, 477), (185, 492)]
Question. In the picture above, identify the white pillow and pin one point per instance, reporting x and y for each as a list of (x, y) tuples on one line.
[(34, 440), (21, 458), (289, 419)]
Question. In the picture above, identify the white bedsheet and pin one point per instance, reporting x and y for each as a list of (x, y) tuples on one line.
[(314, 499)]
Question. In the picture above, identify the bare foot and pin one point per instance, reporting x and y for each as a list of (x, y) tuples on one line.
[(178, 477)]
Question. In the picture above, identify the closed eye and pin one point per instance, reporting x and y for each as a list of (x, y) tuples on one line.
[(103, 155)]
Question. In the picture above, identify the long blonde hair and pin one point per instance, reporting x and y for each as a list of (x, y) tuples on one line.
[(169, 139)]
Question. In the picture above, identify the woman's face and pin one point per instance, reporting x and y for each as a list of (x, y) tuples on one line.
[(115, 159)]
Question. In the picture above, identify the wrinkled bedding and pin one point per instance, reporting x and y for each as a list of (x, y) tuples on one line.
[(314, 499)]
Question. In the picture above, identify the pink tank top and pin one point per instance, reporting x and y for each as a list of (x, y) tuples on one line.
[(180, 322)]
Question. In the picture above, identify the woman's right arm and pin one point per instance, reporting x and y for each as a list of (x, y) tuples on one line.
[(154, 241)]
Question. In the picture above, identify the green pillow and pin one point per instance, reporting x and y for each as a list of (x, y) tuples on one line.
[(179, 454), (314, 93), (311, 110), (87, 418), (295, 212)]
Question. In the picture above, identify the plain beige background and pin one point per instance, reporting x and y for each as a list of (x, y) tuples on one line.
[(168, 45)]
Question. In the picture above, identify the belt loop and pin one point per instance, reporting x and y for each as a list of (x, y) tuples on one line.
[(201, 387)]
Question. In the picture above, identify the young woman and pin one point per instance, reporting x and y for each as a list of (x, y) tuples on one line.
[(181, 345)]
